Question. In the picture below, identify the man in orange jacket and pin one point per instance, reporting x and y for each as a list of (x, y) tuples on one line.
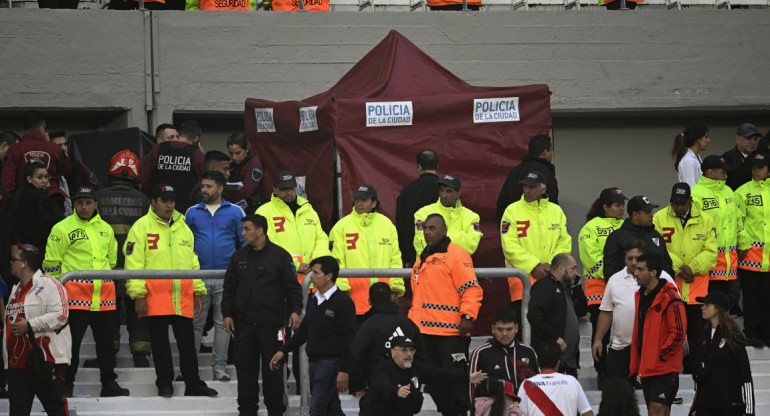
[(446, 301)]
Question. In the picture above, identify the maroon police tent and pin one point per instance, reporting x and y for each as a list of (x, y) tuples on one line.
[(393, 103)]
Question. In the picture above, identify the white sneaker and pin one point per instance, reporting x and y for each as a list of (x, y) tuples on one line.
[(221, 375)]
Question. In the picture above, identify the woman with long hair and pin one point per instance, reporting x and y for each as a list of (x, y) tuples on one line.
[(723, 383), (686, 152), (604, 217), (33, 208), (246, 171), (618, 399), (504, 401)]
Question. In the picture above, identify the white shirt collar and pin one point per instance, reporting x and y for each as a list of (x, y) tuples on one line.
[(325, 296)]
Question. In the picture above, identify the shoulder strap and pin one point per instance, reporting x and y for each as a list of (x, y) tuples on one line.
[(541, 400)]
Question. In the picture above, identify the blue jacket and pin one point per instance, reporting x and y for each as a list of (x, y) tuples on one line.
[(216, 237)]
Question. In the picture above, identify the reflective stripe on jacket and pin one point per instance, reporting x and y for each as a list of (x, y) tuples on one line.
[(293, 5), (154, 245), (717, 201), (76, 244), (665, 328), (591, 241), (532, 233), (362, 241), (463, 226), (753, 225), (693, 245)]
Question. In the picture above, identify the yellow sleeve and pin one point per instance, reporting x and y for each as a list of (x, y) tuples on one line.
[(659, 221), (589, 248), (321, 247), (513, 250), (112, 254), (55, 248), (470, 236), (134, 252), (192, 5), (744, 242), (706, 259), (419, 238), (564, 245), (337, 242)]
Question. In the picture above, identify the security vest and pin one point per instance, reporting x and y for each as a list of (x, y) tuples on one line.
[(753, 225), (450, 2), (693, 245), (591, 241), (76, 244), (717, 200), (361, 241), (444, 288), (293, 5), (301, 234), (532, 233), (154, 245), (463, 226), (220, 5)]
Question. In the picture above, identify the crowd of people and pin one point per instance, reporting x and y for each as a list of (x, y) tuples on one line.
[(659, 287)]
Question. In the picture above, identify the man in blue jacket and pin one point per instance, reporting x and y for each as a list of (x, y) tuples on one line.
[(216, 225)]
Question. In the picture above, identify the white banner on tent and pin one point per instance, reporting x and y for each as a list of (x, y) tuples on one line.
[(307, 119), (389, 113), (495, 110), (265, 123)]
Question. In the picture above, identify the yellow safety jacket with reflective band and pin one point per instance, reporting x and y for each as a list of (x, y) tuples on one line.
[(362, 241), (717, 200), (532, 233), (300, 235), (463, 226), (76, 244), (154, 245), (694, 245), (591, 241), (754, 225)]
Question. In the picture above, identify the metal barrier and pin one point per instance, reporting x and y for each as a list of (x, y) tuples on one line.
[(494, 273)]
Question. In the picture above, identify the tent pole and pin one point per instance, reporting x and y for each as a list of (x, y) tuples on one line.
[(338, 177)]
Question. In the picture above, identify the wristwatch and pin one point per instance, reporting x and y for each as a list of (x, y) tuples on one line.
[(466, 316)]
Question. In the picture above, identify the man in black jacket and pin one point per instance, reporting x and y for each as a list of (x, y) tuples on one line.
[(373, 341), (556, 302), (739, 171), (260, 288), (538, 159), (415, 195), (638, 226)]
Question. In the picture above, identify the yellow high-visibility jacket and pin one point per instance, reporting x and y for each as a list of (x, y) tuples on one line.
[(463, 226), (591, 241), (754, 225), (717, 200)]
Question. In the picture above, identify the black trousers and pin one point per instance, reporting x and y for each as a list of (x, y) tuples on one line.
[(449, 399), (161, 349), (600, 366), (756, 304), (22, 391), (102, 325), (138, 330), (255, 345), (695, 324), (618, 363)]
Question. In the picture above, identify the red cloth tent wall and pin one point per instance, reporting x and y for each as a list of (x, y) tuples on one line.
[(358, 116)]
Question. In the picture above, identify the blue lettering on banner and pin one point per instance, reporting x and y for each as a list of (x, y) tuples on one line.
[(389, 113), (307, 119), (265, 123), (495, 110)]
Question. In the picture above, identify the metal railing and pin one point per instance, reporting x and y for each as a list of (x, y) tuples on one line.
[(494, 273)]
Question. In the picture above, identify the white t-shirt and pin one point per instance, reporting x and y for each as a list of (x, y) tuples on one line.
[(689, 168), (564, 391), (619, 299)]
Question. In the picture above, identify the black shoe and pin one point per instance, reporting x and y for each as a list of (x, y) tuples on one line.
[(179, 378), (141, 361), (68, 388), (3, 393), (205, 349), (678, 400), (201, 390), (166, 391), (91, 363), (112, 389)]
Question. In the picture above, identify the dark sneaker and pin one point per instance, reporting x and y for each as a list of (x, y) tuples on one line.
[(678, 400), (91, 363), (179, 378), (112, 389), (200, 390), (141, 361), (3, 393), (68, 389), (166, 391)]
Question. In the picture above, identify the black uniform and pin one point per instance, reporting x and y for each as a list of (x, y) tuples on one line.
[(36, 213), (514, 363), (260, 291), (419, 193), (176, 163), (615, 250), (723, 378), (388, 377), (738, 170), (512, 190)]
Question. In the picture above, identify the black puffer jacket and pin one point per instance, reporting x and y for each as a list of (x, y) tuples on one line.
[(512, 190), (615, 251)]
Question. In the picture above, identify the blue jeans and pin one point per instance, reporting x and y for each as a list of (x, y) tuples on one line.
[(221, 338), (324, 399)]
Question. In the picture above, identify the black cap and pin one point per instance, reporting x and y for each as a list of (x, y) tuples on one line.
[(680, 193), (713, 162), (365, 192), (639, 203), (402, 342), (748, 130), (450, 181), (716, 298), (285, 179), (164, 191), (533, 178), (612, 195), (760, 159), (84, 192)]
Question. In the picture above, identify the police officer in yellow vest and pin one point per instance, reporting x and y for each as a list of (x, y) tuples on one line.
[(83, 241), (293, 224), (754, 250), (692, 245), (366, 239), (162, 241), (463, 225)]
